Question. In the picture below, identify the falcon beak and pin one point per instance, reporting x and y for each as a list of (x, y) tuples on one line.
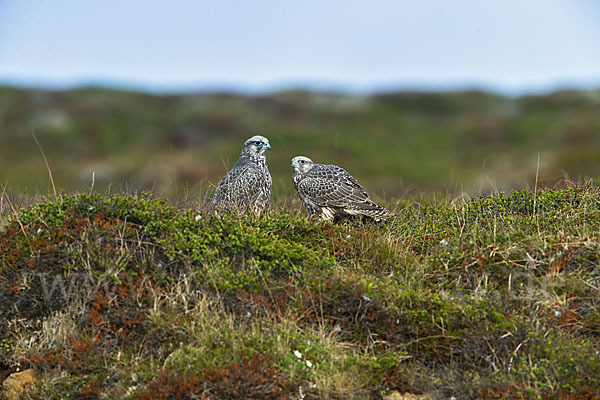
[(267, 146)]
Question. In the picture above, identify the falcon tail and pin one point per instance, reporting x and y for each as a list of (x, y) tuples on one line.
[(369, 209)]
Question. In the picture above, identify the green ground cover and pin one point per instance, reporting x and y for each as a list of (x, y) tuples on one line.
[(494, 297)]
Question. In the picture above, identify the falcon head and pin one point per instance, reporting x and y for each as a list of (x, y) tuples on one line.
[(256, 145), (301, 164)]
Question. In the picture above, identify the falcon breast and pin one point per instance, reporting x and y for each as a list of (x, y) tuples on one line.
[(248, 185), (330, 191)]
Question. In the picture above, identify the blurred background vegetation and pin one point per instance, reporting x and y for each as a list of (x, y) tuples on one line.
[(396, 144)]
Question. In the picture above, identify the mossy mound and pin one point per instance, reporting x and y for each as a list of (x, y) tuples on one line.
[(130, 297)]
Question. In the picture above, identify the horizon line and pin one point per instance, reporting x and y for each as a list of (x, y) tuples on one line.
[(296, 85)]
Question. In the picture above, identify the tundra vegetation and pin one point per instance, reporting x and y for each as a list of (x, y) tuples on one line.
[(483, 284), (129, 296), (394, 143)]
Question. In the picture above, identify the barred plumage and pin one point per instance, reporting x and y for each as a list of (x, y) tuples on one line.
[(248, 185), (330, 191)]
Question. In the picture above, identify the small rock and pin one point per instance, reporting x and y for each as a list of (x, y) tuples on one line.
[(14, 386)]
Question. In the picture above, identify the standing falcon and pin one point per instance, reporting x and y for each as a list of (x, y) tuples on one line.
[(248, 185), (330, 191)]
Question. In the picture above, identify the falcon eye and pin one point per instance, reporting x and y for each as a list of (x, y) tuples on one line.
[(257, 142)]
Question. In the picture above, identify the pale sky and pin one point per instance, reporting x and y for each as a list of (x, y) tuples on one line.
[(511, 46)]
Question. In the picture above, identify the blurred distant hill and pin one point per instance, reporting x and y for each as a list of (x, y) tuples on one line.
[(394, 143)]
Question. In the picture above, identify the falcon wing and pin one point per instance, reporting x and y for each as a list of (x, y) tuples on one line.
[(331, 186), (240, 187)]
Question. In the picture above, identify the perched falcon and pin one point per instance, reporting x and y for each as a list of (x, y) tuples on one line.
[(329, 191), (248, 185)]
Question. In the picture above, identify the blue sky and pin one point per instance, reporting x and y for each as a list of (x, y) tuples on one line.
[(511, 46)]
